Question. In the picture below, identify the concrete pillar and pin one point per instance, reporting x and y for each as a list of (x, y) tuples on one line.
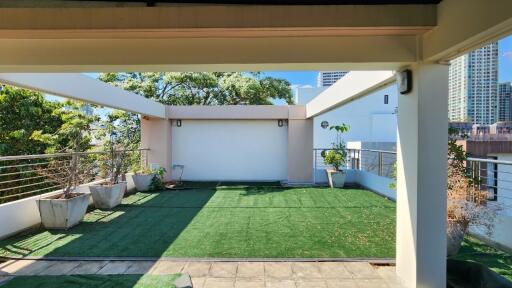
[(156, 135), (422, 177), (300, 146)]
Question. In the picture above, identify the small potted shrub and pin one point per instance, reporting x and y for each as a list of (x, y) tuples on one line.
[(146, 179), (68, 208), (336, 158), (109, 194)]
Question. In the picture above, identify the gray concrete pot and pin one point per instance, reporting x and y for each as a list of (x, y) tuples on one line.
[(63, 213), (336, 178), (107, 196), (455, 235), (142, 181)]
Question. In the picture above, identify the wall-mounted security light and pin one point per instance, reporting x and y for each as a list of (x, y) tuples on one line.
[(404, 80), (178, 123), (324, 124), (280, 123)]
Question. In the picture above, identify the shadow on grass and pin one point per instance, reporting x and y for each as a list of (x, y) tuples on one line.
[(476, 251), (142, 227)]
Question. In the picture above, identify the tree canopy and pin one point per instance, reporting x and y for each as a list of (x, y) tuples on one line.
[(204, 88), (23, 112)]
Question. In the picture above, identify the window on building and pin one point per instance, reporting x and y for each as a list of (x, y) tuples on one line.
[(386, 99)]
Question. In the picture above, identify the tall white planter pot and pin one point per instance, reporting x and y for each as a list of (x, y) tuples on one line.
[(142, 181), (107, 196), (336, 178), (63, 213)]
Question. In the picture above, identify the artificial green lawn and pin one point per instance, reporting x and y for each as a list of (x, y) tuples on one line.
[(93, 281), (476, 251), (227, 222)]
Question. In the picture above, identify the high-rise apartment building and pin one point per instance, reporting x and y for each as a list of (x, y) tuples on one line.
[(504, 101), (473, 91), (327, 78)]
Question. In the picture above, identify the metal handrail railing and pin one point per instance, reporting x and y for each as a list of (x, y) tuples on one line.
[(42, 156), (26, 175)]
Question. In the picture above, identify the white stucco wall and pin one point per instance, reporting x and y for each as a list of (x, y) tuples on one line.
[(369, 118), (231, 150)]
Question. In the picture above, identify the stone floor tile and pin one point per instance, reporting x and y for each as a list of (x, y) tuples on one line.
[(250, 283), (278, 270), (223, 269), (219, 283), (164, 267), (275, 283), (88, 267), (140, 267), (61, 268), (311, 284), (250, 270), (306, 270), (197, 269), (34, 268), (115, 267), (388, 273), (372, 283), (198, 282), (334, 270), (341, 283), (362, 270), (11, 266)]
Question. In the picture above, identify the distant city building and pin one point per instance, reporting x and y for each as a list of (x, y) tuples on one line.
[(327, 78), (504, 100), (473, 90), (463, 128)]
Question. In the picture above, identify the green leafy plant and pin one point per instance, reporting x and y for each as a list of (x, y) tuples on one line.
[(337, 156), (157, 182)]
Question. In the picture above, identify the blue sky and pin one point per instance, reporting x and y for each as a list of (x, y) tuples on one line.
[(505, 61)]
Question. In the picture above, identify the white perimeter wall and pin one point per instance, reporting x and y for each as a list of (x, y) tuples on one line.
[(370, 120), (23, 214), (231, 150)]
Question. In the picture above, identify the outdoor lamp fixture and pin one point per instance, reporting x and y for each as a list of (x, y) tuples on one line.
[(324, 124), (404, 80), (280, 123), (178, 123)]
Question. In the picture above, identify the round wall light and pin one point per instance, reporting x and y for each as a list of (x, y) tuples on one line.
[(324, 124)]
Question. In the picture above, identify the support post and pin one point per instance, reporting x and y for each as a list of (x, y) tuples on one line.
[(300, 146), (156, 135), (422, 178)]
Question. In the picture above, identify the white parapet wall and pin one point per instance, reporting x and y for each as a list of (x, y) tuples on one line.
[(20, 215)]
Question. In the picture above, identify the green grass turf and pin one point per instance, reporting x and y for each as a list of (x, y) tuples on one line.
[(93, 281), (227, 222), (476, 251)]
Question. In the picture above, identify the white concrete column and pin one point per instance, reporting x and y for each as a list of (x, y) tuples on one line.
[(421, 184), (300, 146), (156, 135)]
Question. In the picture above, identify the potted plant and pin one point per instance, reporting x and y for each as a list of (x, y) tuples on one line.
[(109, 194), (68, 208), (467, 203), (146, 179), (336, 157)]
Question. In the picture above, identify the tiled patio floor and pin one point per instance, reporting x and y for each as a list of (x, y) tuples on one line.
[(211, 274)]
